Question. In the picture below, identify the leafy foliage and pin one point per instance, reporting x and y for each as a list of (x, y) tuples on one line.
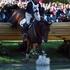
[(62, 1)]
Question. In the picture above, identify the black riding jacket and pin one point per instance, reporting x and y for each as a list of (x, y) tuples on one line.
[(29, 9)]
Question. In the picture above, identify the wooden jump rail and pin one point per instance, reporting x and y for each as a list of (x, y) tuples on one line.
[(58, 31)]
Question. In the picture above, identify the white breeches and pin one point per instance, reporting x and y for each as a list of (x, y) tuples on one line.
[(28, 17), (23, 21)]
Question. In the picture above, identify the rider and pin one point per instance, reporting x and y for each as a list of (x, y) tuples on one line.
[(32, 12)]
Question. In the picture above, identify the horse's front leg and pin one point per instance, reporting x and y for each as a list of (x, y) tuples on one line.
[(33, 51)]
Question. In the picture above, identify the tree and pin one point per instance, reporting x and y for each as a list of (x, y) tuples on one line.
[(62, 1)]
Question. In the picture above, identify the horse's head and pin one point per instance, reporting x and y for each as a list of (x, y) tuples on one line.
[(36, 12)]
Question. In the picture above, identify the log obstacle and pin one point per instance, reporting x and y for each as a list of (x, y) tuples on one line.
[(58, 31)]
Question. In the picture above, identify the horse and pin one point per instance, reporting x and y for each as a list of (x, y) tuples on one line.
[(36, 33)]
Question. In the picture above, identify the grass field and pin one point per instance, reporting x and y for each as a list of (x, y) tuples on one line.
[(50, 43), (13, 45)]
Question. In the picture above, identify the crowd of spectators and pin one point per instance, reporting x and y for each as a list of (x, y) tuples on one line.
[(57, 12), (54, 12)]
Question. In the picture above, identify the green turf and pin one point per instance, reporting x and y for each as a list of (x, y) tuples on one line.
[(7, 59), (7, 45), (52, 44), (15, 44)]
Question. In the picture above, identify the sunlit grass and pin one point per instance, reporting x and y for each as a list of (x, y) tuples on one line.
[(52, 44), (14, 44), (7, 59)]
